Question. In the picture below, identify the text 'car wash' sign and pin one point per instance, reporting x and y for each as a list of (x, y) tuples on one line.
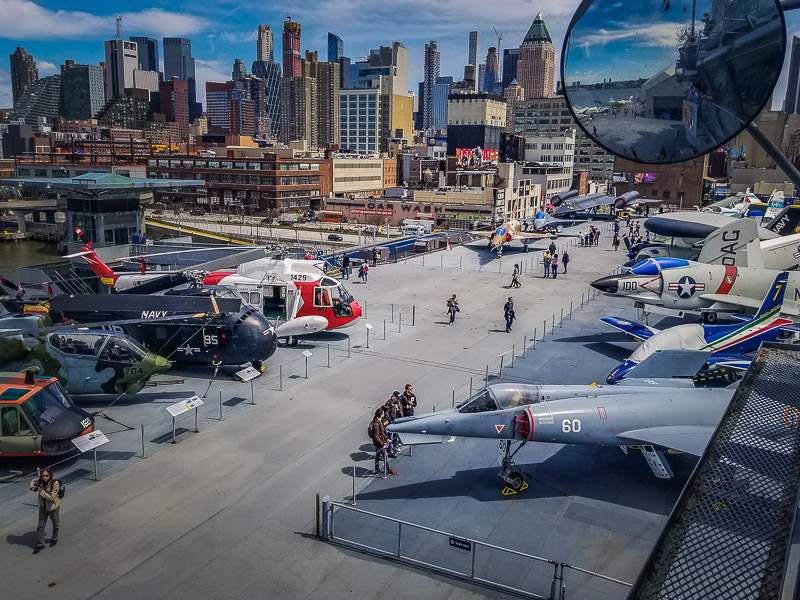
[(371, 211), (460, 544)]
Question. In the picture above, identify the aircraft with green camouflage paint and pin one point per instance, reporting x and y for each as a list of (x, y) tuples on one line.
[(85, 361)]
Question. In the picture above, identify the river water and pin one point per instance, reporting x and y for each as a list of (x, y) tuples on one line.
[(24, 254)]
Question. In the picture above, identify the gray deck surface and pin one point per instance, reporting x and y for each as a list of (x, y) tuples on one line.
[(229, 512)]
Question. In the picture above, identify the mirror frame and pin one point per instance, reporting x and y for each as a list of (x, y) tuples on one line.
[(580, 12)]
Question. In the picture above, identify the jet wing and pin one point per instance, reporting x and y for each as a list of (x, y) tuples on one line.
[(670, 363), (740, 363), (423, 438), (732, 301), (486, 234), (523, 234), (692, 439), (636, 330), (583, 203)]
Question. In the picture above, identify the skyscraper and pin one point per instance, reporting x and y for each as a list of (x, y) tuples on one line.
[(441, 91), (291, 49), (82, 91), (239, 70), (536, 66), (270, 73), (122, 59), (491, 73), (175, 104), (510, 56), (265, 50), (178, 62), (474, 52), (335, 47), (431, 74), (514, 93), (229, 107), (792, 104), (311, 103), (148, 53), (41, 98), (23, 72)]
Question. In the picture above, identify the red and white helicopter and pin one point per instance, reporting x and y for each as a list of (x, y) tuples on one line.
[(296, 293)]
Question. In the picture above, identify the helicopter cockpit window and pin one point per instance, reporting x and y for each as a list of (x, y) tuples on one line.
[(344, 295), (122, 351), (76, 343), (482, 402), (44, 406), (322, 297)]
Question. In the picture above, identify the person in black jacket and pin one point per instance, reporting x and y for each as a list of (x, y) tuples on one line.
[(509, 314), (346, 266), (380, 441), (408, 400)]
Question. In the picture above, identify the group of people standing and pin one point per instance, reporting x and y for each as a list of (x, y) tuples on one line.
[(363, 270), (386, 444), (591, 238)]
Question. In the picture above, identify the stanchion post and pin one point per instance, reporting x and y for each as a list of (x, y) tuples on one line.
[(582, 295), (561, 322), (544, 329), (554, 324), (329, 356), (143, 454), (524, 344), (500, 374), (94, 453), (392, 312), (384, 329), (534, 338), (513, 354), (385, 453), (570, 310), (173, 431), (196, 429), (454, 399), (252, 394), (348, 346), (487, 375), (400, 324), (220, 405), (280, 376), (413, 315), (470, 388), (354, 485)]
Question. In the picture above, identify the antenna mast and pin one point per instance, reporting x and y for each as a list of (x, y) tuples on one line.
[(119, 27)]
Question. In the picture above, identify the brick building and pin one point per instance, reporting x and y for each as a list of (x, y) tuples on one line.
[(680, 183)]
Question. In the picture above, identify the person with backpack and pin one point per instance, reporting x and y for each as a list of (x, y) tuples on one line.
[(50, 492), (509, 314), (382, 444), (546, 263), (565, 261), (515, 277), (554, 265), (452, 308)]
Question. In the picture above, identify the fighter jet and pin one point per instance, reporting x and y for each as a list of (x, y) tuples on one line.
[(652, 415), (673, 285), (621, 103), (728, 343), (570, 204), (514, 229)]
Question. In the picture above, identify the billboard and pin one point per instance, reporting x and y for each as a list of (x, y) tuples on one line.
[(644, 178), (479, 161)]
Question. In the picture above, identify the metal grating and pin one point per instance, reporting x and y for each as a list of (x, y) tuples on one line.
[(729, 535)]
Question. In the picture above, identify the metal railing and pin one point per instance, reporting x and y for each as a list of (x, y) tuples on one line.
[(464, 558)]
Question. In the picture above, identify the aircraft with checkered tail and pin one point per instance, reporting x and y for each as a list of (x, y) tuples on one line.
[(728, 344), (649, 414), (728, 277)]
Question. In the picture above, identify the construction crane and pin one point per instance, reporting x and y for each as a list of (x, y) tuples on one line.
[(499, 55), (119, 27)]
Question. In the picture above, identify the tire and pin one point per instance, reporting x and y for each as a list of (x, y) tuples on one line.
[(516, 481), (291, 341), (710, 317)]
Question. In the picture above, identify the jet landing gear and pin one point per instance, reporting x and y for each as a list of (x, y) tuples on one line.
[(291, 341), (511, 474)]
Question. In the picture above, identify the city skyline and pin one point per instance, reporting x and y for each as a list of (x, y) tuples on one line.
[(52, 34)]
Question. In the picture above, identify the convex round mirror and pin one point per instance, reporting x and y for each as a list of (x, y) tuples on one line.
[(661, 81)]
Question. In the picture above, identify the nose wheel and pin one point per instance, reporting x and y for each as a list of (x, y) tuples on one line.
[(291, 341), (511, 474)]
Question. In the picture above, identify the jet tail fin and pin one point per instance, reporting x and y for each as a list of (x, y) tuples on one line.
[(734, 245), (775, 295), (98, 267), (663, 364)]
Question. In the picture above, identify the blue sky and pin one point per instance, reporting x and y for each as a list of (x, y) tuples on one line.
[(222, 30)]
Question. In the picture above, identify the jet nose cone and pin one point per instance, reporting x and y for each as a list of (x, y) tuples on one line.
[(161, 363), (356, 309), (608, 284)]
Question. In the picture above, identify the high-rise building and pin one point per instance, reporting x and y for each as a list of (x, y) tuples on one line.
[(328, 118), (387, 68), (335, 47), (145, 80), (175, 104), (492, 70), (357, 134), (82, 91), (291, 49), (344, 72), (311, 103), (792, 104), (430, 75), (536, 66), (68, 64), (126, 111), (475, 120), (239, 70), (510, 57), (474, 48), (514, 93), (23, 72), (270, 73), (298, 103), (41, 98), (441, 92), (148, 53), (229, 108), (122, 59), (266, 45), (178, 62), (258, 94)]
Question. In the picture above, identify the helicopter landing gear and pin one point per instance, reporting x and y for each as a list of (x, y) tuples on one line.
[(511, 474), (291, 341)]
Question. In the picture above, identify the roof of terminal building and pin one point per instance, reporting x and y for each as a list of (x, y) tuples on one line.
[(538, 31), (99, 182)]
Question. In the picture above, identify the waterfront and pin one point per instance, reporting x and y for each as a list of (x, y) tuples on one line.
[(23, 254)]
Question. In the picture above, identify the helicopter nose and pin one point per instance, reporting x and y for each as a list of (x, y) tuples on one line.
[(161, 363), (356, 309), (608, 284)]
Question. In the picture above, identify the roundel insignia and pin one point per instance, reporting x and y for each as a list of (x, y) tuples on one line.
[(686, 287), (728, 279)]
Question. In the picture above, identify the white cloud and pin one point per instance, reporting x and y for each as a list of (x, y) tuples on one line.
[(47, 68), (33, 22), (210, 70)]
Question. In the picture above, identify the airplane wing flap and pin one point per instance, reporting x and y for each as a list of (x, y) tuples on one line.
[(732, 301), (740, 363), (523, 234), (670, 363), (483, 233), (691, 439), (636, 330), (424, 438)]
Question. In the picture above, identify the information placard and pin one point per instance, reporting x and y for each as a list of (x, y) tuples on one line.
[(91, 440), (184, 406), (247, 374)]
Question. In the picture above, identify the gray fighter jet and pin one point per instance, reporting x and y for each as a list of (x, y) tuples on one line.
[(650, 414)]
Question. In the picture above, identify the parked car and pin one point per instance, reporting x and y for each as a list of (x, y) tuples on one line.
[(335, 237), (197, 213)]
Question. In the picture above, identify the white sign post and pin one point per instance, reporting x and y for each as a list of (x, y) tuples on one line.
[(307, 354), (181, 407), (368, 327), (91, 441), (249, 374)]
